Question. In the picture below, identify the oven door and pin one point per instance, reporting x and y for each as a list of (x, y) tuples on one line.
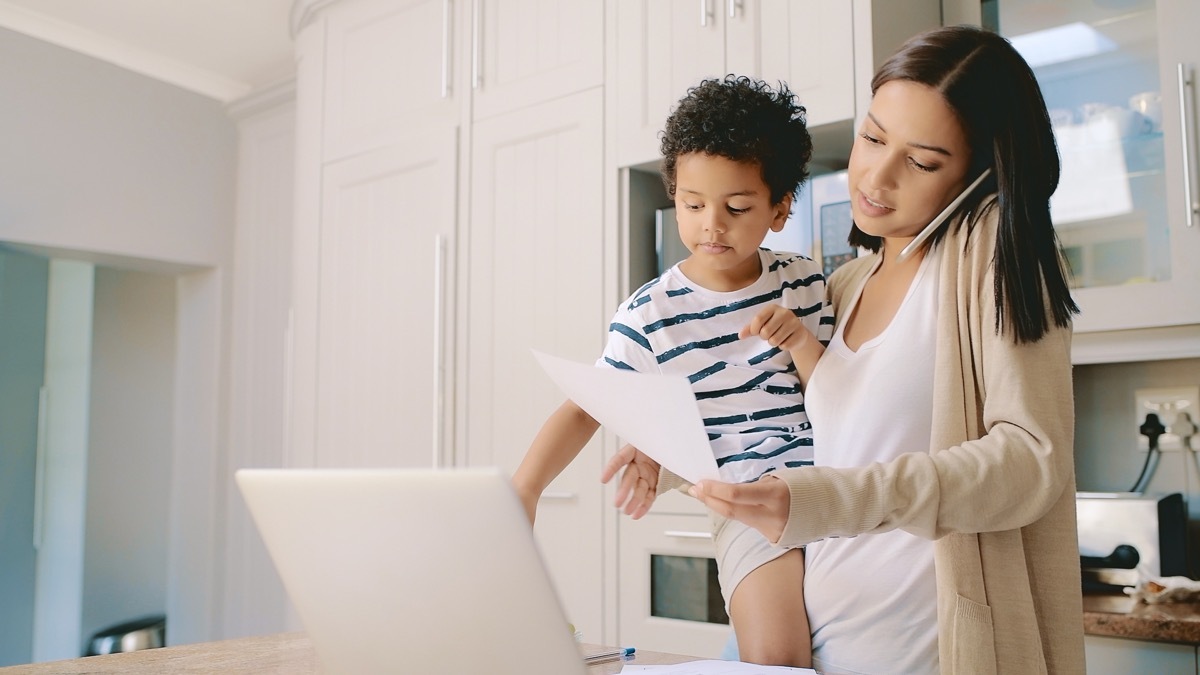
[(670, 600)]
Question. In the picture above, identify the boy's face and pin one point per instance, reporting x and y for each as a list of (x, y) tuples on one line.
[(724, 212)]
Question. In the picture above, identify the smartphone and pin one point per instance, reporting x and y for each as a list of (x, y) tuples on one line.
[(915, 244)]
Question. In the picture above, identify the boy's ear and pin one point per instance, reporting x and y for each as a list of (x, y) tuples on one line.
[(782, 210)]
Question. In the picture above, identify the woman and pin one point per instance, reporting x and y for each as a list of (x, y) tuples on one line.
[(940, 516)]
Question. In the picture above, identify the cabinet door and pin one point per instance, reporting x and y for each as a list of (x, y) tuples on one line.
[(534, 279), (669, 599), (382, 303), (1140, 269), (390, 64), (809, 44), (1125, 207), (23, 290), (525, 52), (663, 47)]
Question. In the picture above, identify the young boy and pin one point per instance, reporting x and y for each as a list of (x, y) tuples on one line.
[(741, 322)]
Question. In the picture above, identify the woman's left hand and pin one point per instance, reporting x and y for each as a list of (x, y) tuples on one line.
[(763, 504)]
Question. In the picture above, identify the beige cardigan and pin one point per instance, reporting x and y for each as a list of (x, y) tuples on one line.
[(996, 489)]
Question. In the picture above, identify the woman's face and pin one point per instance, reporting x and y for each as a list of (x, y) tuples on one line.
[(909, 161)]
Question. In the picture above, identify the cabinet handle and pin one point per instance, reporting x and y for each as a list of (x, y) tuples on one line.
[(476, 47), (704, 13), (289, 366), (1186, 90), (446, 14), (438, 371), (39, 470), (734, 6), (558, 496), (685, 534)]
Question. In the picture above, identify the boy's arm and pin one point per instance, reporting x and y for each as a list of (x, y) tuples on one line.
[(558, 442), (805, 354), (781, 328)]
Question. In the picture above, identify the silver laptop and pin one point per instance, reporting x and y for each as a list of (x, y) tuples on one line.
[(413, 571)]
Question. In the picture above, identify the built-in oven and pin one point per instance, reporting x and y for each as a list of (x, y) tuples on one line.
[(670, 599)]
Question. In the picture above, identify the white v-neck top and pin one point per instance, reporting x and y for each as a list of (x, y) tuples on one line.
[(849, 592)]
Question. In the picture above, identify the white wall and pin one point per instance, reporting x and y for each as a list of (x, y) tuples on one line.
[(106, 165), (1106, 435), (100, 159), (129, 443)]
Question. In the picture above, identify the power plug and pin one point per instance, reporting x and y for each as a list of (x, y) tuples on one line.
[(1185, 429), (1168, 403)]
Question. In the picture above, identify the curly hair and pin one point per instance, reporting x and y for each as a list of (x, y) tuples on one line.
[(744, 120)]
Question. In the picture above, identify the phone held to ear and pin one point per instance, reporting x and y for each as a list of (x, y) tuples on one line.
[(915, 244)]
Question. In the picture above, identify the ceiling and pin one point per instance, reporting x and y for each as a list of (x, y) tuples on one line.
[(223, 49)]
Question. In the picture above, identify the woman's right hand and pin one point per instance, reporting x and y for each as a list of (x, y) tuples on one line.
[(639, 480), (764, 504)]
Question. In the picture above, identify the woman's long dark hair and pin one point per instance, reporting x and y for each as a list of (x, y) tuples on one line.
[(997, 99)]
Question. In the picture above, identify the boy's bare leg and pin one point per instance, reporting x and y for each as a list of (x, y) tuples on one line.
[(768, 614)]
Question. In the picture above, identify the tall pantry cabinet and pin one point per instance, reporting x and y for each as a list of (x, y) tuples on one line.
[(449, 218)]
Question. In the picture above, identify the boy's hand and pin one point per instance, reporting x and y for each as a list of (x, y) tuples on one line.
[(639, 480), (779, 327)]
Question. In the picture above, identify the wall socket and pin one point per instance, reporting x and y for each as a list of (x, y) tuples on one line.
[(1168, 403)]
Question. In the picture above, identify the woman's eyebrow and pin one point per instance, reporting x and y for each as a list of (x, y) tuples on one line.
[(932, 148)]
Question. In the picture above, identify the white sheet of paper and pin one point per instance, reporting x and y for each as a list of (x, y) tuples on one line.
[(655, 413)]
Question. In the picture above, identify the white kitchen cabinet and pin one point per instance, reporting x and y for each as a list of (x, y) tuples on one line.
[(823, 49), (449, 217), (533, 278), (669, 599), (388, 219), (528, 51), (802, 42), (662, 48), (1126, 207), (395, 65), (390, 66), (1118, 656)]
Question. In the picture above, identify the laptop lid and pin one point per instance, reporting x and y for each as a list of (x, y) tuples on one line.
[(412, 570)]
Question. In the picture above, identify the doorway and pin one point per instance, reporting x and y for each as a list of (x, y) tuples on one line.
[(87, 460)]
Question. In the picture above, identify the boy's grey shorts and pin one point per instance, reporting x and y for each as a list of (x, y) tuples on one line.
[(740, 549)]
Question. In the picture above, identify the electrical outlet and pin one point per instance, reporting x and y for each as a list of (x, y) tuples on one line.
[(1167, 403)]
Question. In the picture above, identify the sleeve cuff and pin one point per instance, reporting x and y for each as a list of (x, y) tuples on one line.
[(668, 481)]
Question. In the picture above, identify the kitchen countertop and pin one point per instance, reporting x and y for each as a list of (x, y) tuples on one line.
[(281, 654), (1116, 615), (1109, 615)]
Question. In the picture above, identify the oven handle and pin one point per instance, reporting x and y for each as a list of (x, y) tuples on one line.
[(685, 534)]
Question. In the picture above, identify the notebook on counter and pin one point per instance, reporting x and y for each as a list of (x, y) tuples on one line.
[(415, 571)]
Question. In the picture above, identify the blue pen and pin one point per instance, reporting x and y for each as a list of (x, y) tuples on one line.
[(610, 654)]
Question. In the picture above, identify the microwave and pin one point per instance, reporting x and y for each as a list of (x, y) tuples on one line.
[(818, 227)]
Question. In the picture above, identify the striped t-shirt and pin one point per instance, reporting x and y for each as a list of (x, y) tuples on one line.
[(747, 391)]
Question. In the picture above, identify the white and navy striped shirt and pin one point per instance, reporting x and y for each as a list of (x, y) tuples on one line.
[(747, 391)]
